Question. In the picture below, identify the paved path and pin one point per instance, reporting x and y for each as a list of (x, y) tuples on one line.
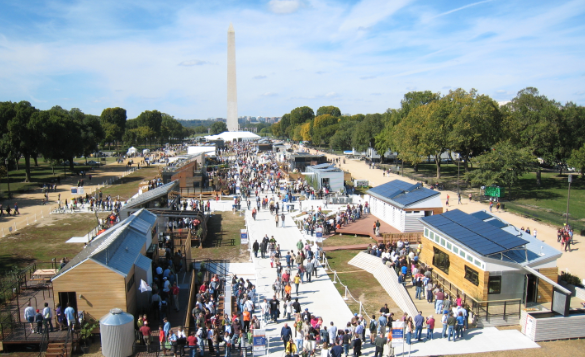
[(570, 261), (322, 299)]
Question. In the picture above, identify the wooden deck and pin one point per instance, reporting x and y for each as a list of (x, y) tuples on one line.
[(346, 247), (364, 227)]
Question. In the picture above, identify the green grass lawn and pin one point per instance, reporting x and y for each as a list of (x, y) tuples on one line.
[(344, 239), (129, 184), (45, 241), (362, 285), (223, 227)]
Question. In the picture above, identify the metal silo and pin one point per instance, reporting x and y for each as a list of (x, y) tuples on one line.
[(117, 330)]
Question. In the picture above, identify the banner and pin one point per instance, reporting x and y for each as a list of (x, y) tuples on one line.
[(397, 333), (259, 343), (243, 236)]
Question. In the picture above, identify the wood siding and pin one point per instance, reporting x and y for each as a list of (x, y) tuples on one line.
[(102, 289), (545, 290), (131, 294), (457, 271)]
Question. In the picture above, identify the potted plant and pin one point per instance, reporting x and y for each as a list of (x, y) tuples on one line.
[(85, 334)]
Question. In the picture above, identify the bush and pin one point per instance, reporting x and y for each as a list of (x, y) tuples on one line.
[(571, 279)]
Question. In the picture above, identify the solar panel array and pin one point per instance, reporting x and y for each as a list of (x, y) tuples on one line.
[(403, 193), (483, 215), (480, 236), (497, 223)]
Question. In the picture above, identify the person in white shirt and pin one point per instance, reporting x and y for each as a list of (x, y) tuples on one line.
[(265, 311), (48, 316), (29, 315)]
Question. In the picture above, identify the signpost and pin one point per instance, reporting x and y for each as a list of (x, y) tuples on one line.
[(259, 343), (243, 236)]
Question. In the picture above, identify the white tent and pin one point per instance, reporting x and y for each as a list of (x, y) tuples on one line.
[(132, 150), (196, 150), (234, 135)]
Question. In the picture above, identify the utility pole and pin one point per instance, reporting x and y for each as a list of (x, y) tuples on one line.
[(568, 199)]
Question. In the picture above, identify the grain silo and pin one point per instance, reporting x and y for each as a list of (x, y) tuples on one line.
[(117, 330)]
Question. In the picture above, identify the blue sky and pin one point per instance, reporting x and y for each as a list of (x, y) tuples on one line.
[(361, 56)]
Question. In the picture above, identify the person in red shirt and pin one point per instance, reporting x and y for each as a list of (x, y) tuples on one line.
[(192, 344), (175, 293), (430, 327), (247, 316), (145, 331)]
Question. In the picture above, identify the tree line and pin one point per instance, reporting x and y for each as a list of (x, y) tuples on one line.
[(58, 134), (503, 141)]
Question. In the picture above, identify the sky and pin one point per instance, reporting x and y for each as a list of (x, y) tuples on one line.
[(361, 56)]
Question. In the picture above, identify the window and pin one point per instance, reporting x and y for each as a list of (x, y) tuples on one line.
[(449, 245), (462, 253), (130, 284), (437, 238), (441, 260), (470, 258), (477, 262), (471, 275), (455, 250), (494, 284), (443, 242), (432, 235), (426, 232)]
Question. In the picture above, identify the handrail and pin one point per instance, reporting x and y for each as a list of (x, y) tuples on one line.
[(44, 342)]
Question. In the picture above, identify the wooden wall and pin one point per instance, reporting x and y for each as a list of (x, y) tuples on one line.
[(102, 289), (457, 271), (545, 290), (131, 295)]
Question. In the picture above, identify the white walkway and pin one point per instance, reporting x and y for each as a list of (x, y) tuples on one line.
[(322, 299)]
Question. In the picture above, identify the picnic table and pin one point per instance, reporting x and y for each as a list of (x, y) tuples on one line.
[(43, 274)]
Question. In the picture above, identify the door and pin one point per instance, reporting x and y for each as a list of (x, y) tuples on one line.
[(68, 298), (531, 289)]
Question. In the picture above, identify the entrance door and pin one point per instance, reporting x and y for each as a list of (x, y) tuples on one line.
[(531, 289), (68, 298)]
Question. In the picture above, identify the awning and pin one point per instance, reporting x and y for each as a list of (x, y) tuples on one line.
[(545, 278)]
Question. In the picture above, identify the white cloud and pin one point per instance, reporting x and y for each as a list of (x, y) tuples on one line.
[(368, 13), (195, 62), (284, 6), (269, 94), (331, 95)]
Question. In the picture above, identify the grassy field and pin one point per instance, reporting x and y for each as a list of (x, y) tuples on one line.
[(362, 285), (44, 241), (222, 227), (344, 239), (129, 184), (44, 173)]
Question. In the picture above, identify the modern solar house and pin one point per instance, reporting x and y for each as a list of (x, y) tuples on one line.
[(158, 198), (327, 175), (107, 272), (488, 259), (402, 204)]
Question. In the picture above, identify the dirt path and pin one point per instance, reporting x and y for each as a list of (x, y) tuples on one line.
[(30, 203), (570, 261)]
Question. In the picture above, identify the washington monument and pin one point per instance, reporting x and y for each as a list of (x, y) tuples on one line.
[(232, 92)]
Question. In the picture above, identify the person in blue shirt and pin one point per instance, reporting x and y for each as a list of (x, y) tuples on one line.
[(70, 314), (459, 327), (285, 334)]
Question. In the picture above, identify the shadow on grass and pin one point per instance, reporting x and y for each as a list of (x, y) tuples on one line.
[(8, 263)]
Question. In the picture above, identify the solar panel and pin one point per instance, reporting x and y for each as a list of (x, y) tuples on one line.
[(481, 215), (403, 193), (483, 237)]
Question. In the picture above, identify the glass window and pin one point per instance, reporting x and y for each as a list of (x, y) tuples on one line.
[(471, 275), (477, 262), (426, 232), (437, 238), (443, 242), (455, 250), (470, 258), (432, 235), (462, 253), (441, 260), (449, 245), (494, 284)]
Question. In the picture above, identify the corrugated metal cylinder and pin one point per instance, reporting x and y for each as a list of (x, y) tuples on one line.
[(117, 330)]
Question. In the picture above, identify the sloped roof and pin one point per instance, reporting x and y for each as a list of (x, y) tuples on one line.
[(401, 193), (143, 262), (109, 248), (151, 194)]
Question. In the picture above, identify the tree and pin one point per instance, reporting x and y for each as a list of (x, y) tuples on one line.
[(341, 140), (21, 136), (151, 119), (331, 110), (170, 128), (305, 131), (114, 122), (92, 133), (275, 128), (503, 165), (416, 99), (476, 123), (365, 134), (533, 121), (572, 131), (324, 126), (284, 124), (218, 127), (577, 160), (301, 115), (407, 137), (61, 134)]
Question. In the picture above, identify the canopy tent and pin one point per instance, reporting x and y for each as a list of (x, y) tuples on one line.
[(132, 150), (234, 135)]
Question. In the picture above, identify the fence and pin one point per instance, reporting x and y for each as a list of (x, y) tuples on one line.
[(27, 220)]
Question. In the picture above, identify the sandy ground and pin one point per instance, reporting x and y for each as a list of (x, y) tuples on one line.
[(30, 204), (570, 261)]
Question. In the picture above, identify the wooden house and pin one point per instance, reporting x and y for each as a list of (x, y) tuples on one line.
[(402, 204), (488, 259), (107, 272)]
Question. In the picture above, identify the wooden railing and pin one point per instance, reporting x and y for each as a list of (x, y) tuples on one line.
[(391, 238)]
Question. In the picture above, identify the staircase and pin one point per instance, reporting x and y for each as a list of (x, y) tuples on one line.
[(58, 349)]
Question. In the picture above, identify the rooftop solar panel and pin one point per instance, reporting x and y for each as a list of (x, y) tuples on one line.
[(481, 215), (402, 193), (483, 237)]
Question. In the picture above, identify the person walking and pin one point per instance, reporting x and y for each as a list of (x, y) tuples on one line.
[(418, 324), (48, 317), (255, 248), (70, 314), (276, 220), (430, 327), (379, 343), (29, 315), (282, 219)]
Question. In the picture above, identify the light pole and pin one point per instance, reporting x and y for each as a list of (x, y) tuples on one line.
[(568, 199), (458, 161), (7, 176)]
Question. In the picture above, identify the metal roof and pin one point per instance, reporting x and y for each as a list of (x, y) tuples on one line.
[(143, 262), (401, 193), (151, 194), (474, 233), (104, 248)]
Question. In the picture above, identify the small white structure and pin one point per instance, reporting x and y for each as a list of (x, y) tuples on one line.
[(132, 151), (401, 204), (145, 151), (327, 175), (117, 330), (196, 150), (234, 136)]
